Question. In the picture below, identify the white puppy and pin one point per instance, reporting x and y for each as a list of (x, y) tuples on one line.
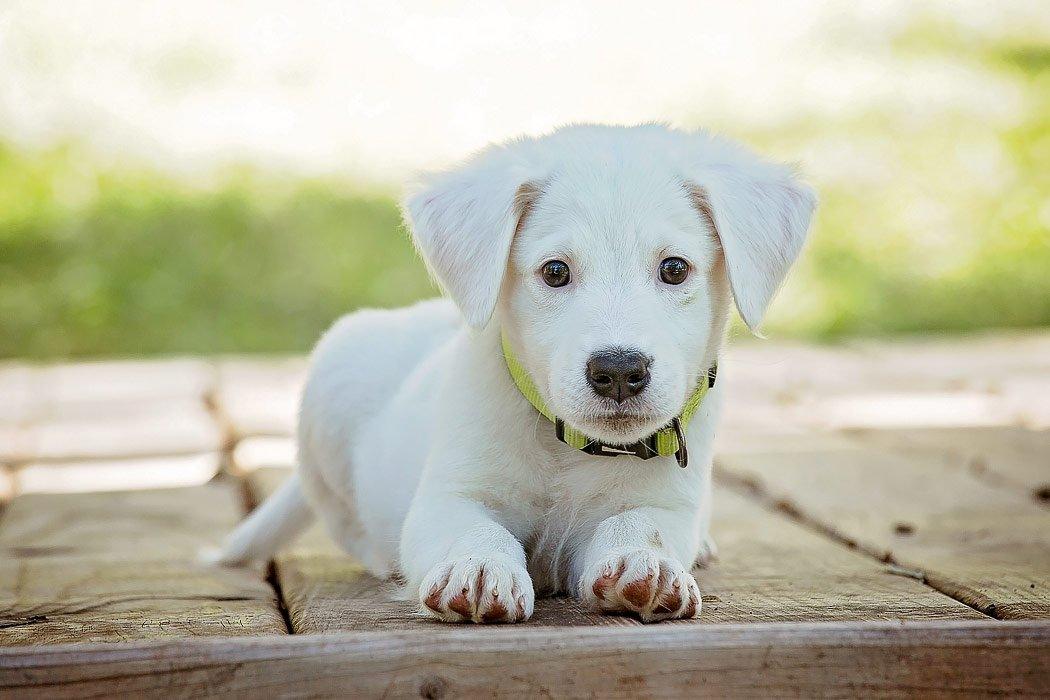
[(604, 259)]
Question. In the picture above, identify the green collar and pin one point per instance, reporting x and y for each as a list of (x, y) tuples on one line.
[(664, 442)]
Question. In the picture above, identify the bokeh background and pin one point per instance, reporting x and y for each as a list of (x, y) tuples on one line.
[(199, 177)]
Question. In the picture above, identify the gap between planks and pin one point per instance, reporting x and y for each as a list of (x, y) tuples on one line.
[(754, 491), (249, 503), (917, 509)]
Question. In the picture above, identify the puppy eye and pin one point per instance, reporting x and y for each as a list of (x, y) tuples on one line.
[(555, 273), (674, 270)]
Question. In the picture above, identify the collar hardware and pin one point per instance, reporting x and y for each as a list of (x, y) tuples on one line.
[(665, 442), (682, 453)]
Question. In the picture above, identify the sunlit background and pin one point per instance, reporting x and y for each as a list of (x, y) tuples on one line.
[(198, 177)]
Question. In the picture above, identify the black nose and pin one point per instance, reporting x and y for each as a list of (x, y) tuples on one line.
[(618, 373)]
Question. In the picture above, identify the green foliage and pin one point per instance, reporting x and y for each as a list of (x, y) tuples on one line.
[(927, 222), (941, 223), (129, 263)]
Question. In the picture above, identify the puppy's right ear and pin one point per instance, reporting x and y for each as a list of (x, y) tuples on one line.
[(463, 222)]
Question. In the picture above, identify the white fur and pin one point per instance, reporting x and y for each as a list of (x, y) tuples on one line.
[(420, 455)]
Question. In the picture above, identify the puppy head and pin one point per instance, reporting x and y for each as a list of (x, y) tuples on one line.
[(608, 255)]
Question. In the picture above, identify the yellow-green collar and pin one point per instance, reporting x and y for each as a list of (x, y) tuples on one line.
[(664, 442)]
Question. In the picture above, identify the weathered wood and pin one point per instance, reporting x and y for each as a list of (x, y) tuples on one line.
[(259, 397), (264, 451), (7, 484), (122, 566), (181, 426), (930, 659), (991, 380), (1013, 458), (34, 393), (324, 589), (949, 506), (118, 474), (985, 546), (771, 569), (978, 360)]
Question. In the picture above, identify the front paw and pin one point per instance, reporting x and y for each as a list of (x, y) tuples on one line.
[(642, 583), (487, 588)]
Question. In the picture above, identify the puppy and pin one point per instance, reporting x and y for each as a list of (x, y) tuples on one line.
[(548, 428)]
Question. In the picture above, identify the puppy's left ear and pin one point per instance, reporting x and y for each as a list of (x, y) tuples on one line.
[(760, 212), (463, 222)]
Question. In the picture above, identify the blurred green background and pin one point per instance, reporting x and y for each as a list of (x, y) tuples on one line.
[(929, 221)]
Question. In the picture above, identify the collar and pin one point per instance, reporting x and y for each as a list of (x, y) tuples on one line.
[(665, 442)]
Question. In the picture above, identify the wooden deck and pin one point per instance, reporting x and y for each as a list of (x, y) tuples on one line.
[(882, 514)]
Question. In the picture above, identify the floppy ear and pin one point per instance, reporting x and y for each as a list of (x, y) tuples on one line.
[(761, 214), (463, 222)]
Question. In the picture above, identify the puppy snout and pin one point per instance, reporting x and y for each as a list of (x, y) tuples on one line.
[(618, 373)]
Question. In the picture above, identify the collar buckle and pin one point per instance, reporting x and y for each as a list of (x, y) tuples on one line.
[(643, 449), (682, 455)]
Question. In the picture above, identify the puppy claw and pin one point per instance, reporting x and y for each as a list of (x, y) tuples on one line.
[(467, 590), (645, 584)]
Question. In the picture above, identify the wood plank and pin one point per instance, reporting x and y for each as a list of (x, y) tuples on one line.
[(978, 360), (7, 484), (175, 427), (266, 451), (985, 546), (122, 387), (39, 393), (259, 397), (1013, 458), (771, 569), (324, 589), (888, 659), (981, 380), (1029, 394), (18, 387), (118, 474), (122, 566)]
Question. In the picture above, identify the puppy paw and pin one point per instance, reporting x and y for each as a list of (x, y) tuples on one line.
[(642, 583), (488, 588)]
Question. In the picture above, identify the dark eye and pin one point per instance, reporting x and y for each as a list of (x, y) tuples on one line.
[(674, 270), (555, 273)]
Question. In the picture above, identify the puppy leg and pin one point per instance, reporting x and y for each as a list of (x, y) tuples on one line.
[(465, 566), (631, 567)]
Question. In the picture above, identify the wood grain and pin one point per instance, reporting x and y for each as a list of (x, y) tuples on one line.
[(985, 546), (771, 569), (122, 566), (928, 659), (1013, 458)]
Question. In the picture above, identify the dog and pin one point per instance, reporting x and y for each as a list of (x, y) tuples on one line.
[(548, 428)]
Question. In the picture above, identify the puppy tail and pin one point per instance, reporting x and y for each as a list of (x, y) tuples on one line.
[(280, 519)]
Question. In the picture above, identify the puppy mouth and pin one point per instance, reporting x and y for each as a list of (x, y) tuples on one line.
[(615, 423), (624, 425), (624, 419)]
